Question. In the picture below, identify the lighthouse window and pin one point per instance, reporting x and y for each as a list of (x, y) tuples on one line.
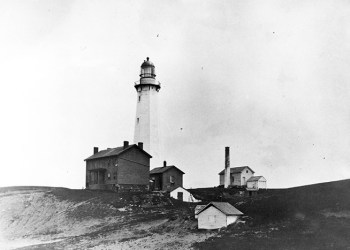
[(139, 98), (138, 120)]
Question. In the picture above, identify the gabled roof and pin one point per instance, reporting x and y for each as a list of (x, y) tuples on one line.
[(236, 170), (164, 169), (255, 178), (198, 208), (224, 207), (114, 152)]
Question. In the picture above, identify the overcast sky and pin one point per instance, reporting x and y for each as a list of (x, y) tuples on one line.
[(269, 79)]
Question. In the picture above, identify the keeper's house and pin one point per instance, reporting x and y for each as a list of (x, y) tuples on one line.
[(121, 168)]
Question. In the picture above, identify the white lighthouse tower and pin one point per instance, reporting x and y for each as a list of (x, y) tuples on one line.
[(146, 122)]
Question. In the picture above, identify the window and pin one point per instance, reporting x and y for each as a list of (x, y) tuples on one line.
[(172, 179), (109, 176), (246, 171), (138, 120), (139, 98)]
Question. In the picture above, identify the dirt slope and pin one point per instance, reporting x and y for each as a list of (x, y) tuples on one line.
[(56, 218)]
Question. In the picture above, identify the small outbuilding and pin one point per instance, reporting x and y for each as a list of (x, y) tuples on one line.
[(217, 215), (256, 183), (183, 195), (166, 178)]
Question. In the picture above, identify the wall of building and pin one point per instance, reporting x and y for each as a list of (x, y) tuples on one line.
[(231, 219), (262, 184), (166, 185), (211, 218), (245, 175), (109, 176), (236, 179), (222, 179), (133, 168), (157, 181), (252, 184)]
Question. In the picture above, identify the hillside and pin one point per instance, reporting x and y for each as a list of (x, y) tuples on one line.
[(308, 217), (56, 218)]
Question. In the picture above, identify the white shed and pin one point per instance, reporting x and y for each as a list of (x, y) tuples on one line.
[(182, 194), (256, 183), (217, 215)]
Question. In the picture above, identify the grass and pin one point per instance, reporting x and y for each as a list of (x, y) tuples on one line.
[(288, 219)]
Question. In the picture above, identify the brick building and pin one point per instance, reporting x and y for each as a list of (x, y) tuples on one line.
[(166, 178), (125, 167)]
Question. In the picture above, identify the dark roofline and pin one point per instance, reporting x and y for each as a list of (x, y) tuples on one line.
[(166, 168), (213, 204), (258, 177), (121, 152), (223, 171)]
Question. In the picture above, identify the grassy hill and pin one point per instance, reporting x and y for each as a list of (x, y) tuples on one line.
[(308, 217)]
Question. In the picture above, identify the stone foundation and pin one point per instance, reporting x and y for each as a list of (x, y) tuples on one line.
[(119, 187)]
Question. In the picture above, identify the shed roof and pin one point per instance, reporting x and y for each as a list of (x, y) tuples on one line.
[(255, 178), (114, 152), (224, 207), (164, 169), (236, 170)]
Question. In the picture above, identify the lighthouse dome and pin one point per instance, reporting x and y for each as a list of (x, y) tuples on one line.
[(147, 63)]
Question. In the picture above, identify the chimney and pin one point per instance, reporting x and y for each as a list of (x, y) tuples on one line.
[(227, 167), (164, 164), (140, 144), (126, 144), (95, 150)]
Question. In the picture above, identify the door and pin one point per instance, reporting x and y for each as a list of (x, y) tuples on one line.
[(180, 196)]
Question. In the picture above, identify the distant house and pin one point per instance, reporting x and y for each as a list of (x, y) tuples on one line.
[(166, 178), (238, 176), (217, 215), (256, 183), (125, 167), (182, 194)]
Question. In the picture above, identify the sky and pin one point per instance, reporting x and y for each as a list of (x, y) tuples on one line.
[(269, 79)]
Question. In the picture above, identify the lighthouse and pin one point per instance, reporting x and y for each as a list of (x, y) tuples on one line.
[(146, 121)]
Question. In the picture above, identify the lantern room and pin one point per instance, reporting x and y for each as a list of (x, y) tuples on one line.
[(147, 69)]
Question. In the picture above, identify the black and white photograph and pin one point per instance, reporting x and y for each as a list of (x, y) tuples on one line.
[(175, 124)]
